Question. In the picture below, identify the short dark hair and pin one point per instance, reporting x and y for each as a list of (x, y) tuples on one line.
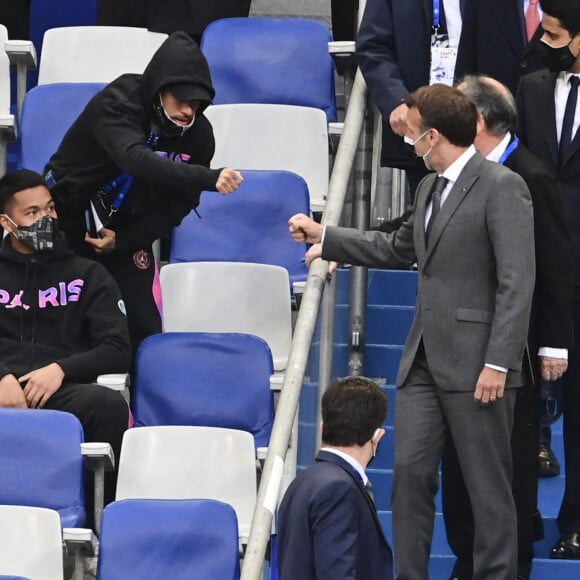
[(17, 181), (566, 11), (497, 107), (448, 110), (352, 410)]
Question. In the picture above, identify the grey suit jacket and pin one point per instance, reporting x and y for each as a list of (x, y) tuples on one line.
[(476, 278)]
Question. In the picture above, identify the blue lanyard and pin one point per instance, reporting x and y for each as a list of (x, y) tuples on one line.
[(509, 150), (436, 13), (125, 181)]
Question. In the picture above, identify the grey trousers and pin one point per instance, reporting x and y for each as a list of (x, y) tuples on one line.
[(425, 415)]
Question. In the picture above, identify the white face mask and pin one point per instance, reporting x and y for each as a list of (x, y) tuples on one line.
[(412, 143), (179, 125), (426, 161)]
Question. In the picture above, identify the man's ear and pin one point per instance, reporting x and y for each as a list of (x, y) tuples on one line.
[(378, 435), (6, 223), (480, 124)]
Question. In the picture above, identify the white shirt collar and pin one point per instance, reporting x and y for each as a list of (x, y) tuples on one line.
[(498, 151), (350, 460), (454, 170)]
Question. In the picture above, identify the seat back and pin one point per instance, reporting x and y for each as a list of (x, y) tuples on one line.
[(30, 543), (228, 232), (178, 539), (271, 60), (279, 137), (207, 379), (229, 297), (48, 113), (177, 462), (83, 54), (45, 15), (41, 463)]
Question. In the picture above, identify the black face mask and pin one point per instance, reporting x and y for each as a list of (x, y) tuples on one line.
[(40, 236), (558, 58)]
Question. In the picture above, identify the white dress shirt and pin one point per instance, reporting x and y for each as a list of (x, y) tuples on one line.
[(495, 155), (350, 460), (452, 174), (561, 96), (454, 21)]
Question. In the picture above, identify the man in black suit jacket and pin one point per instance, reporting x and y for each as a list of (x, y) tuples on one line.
[(548, 119), (327, 522), (550, 334), (494, 41)]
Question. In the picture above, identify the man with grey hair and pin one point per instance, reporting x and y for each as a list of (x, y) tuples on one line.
[(550, 333)]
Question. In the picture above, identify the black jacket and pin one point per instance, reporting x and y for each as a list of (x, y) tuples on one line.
[(109, 139), (57, 307)]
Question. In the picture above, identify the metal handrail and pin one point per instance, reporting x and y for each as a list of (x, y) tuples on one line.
[(271, 479)]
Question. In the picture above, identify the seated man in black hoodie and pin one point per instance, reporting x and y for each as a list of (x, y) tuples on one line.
[(139, 156), (62, 320)]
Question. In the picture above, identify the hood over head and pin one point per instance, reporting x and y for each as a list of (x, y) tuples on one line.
[(178, 63)]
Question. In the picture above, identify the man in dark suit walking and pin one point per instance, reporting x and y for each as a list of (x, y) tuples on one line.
[(471, 234), (549, 115), (327, 522), (550, 334)]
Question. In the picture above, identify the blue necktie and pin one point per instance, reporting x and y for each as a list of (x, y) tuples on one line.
[(568, 123)]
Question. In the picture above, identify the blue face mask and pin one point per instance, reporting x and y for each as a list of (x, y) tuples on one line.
[(40, 236)]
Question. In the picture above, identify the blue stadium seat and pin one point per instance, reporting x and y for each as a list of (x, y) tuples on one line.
[(205, 379), (271, 60), (41, 463), (178, 539), (49, 111), (250, 226)]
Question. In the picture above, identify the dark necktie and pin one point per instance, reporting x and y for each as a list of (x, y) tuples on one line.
[(568, 123), (438, 188), (369, 490)]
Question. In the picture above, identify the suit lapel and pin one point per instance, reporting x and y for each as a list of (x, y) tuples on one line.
[(428, 11), (333, 458), (547, 105), (422, 200), (458, 192), (575, 145)]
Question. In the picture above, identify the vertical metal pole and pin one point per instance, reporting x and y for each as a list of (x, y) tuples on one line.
[(326, 348), (21, 86), (360, 221)]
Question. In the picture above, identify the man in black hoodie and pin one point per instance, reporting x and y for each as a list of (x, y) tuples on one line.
[(62, 320), (139, 154)]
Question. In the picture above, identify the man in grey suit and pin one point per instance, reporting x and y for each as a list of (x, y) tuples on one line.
[(471, 234)]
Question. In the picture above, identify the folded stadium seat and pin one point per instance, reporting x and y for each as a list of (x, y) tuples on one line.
[(250, 226), (48, 112), (206, 379), (30, 543), (271, 60), (280, 137), (183, 462), (151, 539), (83, 54), (229, 297), (7, 121)]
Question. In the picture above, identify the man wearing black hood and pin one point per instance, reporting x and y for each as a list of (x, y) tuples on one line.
[(62, 320), (138, 158)]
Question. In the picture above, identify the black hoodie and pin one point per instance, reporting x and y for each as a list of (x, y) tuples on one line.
[(108, 139), (57, 307)]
